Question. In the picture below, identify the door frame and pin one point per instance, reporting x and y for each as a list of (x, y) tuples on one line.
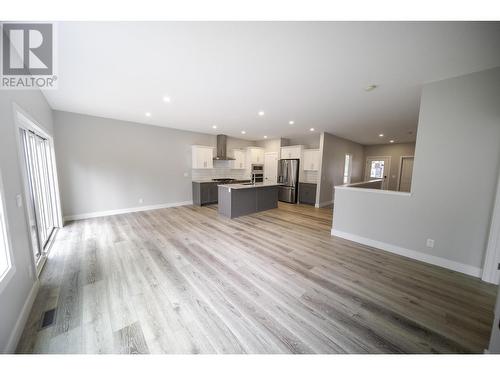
[(23, 120), (368, 158), (491, 274), (401, 168), (275, 153)]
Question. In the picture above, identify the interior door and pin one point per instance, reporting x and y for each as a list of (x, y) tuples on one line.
[(271, 167), (378, 168), (406, 173)]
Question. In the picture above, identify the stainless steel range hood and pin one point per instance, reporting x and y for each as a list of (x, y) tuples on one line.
[(222, 148)]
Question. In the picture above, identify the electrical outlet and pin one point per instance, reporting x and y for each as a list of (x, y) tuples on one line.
[(141, 200), (430, 243)]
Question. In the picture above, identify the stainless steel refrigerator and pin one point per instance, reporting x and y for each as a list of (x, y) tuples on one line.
[(288, 175)]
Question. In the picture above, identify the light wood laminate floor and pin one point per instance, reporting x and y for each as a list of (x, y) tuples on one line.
[(185, 280)]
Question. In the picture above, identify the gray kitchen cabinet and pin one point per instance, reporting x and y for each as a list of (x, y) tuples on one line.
[(205, 193), (307, 193)]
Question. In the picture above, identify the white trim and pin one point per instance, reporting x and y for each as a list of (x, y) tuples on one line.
[(323, 204), (378, 191), (90, 215), (417, 255), (21, 321), (491, 274)]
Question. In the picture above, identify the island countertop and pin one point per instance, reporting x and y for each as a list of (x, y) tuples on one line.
[(239, 199), (250, 186)]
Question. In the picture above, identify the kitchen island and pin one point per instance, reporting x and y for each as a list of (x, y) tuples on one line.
[(243, 199)]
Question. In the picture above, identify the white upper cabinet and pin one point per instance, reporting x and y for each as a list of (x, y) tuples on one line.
[(255, 155), (291, 152), (310, 160), (239, 159), (202, 157)]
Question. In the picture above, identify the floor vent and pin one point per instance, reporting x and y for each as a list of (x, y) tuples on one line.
[(48, 318)]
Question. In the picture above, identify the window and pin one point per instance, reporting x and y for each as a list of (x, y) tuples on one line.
[(377, 169), (347, 168), (4, 247)]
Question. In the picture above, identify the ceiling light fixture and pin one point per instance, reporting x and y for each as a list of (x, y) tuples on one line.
[(261, 113), (148, 114), (265, 137), (291, 122), (243, 132), (391, 141), (381, 135), (370, 88), (166, 99), (311, 130), (214, 126)]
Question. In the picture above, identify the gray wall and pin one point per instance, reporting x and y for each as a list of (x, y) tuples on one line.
[(13, 297), (309, 140), (395, 151), (98, 157), (333, 150), (457, 160), (270, 145)]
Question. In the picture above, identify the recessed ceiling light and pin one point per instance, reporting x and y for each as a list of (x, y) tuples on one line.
[(261, 113), (381, 135), (166, 99), (265, 137), (291, 122), (214, 126), (311, 130), (391, 141), (243, 132), (148, 114), (370, 88)]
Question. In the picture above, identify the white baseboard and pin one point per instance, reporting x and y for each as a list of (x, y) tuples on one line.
[(90, 215), (23, 318), (417, 255), (323, 204)]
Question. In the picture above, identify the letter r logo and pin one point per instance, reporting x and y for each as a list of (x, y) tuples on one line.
[(27, 49)]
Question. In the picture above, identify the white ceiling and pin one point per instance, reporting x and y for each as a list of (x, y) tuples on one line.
[(223, 73)]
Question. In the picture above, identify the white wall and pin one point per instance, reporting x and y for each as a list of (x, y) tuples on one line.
[(107, 165), (457, 160), (15, 294), (332, 158)]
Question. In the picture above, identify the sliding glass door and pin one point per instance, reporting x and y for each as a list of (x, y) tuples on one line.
[(39, 171)]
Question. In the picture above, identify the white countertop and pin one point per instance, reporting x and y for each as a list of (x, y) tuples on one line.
[(252, 186)]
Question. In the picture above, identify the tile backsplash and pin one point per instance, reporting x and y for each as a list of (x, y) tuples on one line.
[(221, 169)]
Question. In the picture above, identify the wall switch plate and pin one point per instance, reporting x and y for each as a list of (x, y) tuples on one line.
[(141, 200), (186, 174), (19, 200), (430, 243)]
